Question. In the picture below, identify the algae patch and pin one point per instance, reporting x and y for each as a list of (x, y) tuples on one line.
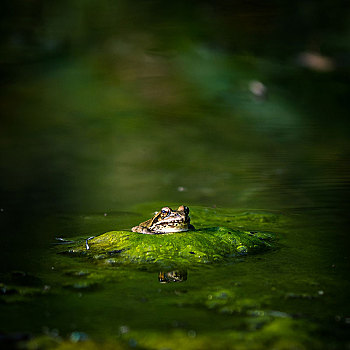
[(177, 249)]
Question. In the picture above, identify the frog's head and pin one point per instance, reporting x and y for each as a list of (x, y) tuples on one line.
[(168, 220)]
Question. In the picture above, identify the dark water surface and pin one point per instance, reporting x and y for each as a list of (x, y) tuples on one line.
[(107, 106)]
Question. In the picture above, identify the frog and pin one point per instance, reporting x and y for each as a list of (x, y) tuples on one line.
[(166, 221)]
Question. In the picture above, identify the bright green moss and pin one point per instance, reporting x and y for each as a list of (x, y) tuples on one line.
[(173, 250), (239, 234)]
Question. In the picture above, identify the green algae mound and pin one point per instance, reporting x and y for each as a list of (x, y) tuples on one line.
[(176, 249)]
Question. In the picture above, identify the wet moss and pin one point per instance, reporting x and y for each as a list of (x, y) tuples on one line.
[(46, 342), (18, 286), (179, 249), (279, 334)]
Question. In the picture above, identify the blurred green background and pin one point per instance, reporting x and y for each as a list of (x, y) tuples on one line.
[(109, 104)]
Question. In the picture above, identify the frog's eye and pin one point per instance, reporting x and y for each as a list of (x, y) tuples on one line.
[(165, 211), (184, 209)]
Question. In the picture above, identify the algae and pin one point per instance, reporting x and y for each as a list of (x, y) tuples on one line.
[(277, 333), (18, 286), (210, 242), (172, 250), (246, 300)]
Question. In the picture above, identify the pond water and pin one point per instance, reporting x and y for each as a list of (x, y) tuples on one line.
[(111, 112)]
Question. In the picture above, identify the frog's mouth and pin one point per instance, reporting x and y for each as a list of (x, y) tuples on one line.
[(172, 221), (171, 229), (171, 226)]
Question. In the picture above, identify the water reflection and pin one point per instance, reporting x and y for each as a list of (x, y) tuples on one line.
[(172, 276)]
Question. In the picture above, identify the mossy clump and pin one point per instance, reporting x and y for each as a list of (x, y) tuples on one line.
[(18, 286), (170, 250)]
